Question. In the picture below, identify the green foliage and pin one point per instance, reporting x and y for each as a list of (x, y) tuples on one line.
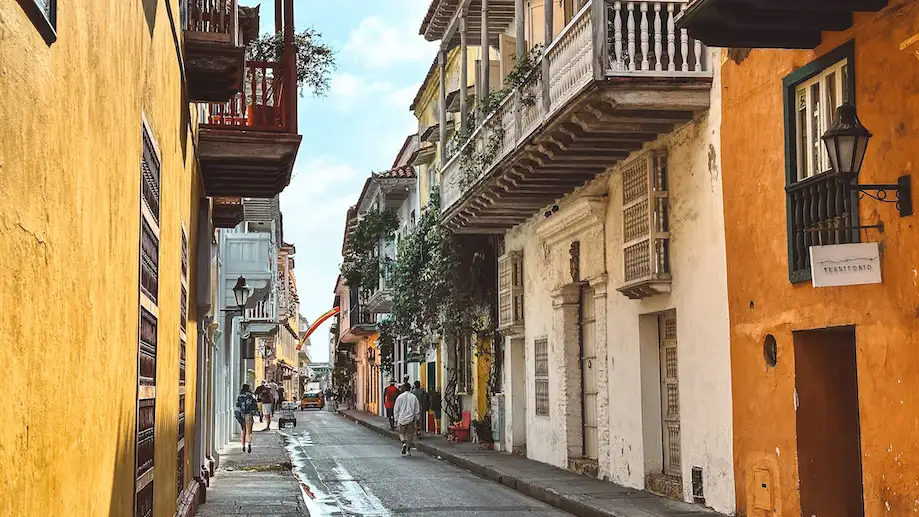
[(362, 264), (315, 59), (442, 285), (474, 159)]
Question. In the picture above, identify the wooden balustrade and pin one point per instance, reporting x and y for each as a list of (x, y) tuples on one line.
[(212, 16), (261, 106), (643, 38)]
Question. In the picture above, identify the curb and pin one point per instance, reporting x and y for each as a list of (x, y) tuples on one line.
[(565, 502)]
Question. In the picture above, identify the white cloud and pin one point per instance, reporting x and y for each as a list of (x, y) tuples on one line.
[(348, 90), (378, 44)]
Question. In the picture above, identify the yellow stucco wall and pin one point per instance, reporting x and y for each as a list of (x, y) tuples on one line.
[(70, 153)]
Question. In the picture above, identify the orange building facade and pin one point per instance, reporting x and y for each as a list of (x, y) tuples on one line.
[(824, 378)]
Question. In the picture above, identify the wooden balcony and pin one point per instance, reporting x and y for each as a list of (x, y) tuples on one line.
[(228, 212), (602, 95), (356, 321), (770, 23), (247, 146), (442, 20), (214, 56)]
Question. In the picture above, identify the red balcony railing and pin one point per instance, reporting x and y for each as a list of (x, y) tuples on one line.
[(261, 106), (213, 16)]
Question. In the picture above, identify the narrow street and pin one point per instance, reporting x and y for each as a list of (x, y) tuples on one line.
[(348, 470)]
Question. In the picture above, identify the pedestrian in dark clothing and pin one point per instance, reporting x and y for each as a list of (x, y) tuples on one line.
[(246, 408), (434, 403), (258, 393), (406, 386), (423, 402)]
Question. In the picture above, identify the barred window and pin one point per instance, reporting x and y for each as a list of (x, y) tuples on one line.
[(541, 375), (818, 210), (464, 365)]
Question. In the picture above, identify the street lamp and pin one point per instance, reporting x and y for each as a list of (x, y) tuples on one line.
[(846, 143), (241, 291)]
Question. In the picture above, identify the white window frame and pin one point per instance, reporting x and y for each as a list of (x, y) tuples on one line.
[(827, 98)]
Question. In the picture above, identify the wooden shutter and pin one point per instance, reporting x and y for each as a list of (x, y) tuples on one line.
[(536, 26)]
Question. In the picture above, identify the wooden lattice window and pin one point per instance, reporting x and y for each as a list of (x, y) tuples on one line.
[(144, 502), (147, 326), (147, 348), (184, 254), (645, 226), (510, 290), (182, 347), (464, 378), (149, 266), (150, 176), (541, 375), (670, 393)]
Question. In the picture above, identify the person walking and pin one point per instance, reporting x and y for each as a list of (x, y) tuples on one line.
[(423, 402), (406, 386), (258, 393), (246, 408), (406, 411), (390, 393), (267, 400)]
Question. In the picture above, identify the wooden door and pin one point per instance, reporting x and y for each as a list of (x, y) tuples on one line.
[(589, 368), (670, 394)]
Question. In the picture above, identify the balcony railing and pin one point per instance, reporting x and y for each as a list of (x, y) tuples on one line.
[(261, 106), (265, 310), (217, 18), (641, 41)]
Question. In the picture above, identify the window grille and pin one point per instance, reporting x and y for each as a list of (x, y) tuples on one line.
[(144, 502), (150, 252), (541, 375), (464, 366), (645, 226), (150, 176), (510, 290)]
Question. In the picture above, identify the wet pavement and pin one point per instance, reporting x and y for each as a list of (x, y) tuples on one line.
[(345, 469)]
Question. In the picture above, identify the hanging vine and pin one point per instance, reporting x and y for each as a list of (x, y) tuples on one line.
[(362, 265), (441, 285), (475, 159)]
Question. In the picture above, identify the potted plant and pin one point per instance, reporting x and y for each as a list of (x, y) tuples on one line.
[(483, 432)]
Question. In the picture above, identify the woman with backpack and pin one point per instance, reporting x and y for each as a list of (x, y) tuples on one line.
[(246, 408)]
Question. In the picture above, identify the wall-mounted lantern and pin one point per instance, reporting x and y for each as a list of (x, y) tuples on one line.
[(846, 143), (241, 291)]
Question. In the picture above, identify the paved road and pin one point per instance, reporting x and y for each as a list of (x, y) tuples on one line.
[(347, 470)]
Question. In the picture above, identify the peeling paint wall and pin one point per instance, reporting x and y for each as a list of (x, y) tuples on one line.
[(70, 154), (763, 301), (699, 295)]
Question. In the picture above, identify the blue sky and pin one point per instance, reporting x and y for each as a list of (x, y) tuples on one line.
[(358, 128)]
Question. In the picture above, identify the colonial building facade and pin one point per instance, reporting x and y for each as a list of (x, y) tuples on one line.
[(822, 378), (601, 178)]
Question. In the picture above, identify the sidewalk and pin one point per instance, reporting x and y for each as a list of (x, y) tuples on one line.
[(573, 493), (256, 484)]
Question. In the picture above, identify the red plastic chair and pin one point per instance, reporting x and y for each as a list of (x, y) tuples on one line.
[(461, 430)]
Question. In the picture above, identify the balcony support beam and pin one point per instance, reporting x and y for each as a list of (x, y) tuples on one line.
[(464, 73), (520, 28), (484, 60), (442, 111), (549, 11)]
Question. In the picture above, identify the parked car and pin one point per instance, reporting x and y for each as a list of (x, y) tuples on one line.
[(312, 399)]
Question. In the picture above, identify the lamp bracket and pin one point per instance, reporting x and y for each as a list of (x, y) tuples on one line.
[(902, 191)]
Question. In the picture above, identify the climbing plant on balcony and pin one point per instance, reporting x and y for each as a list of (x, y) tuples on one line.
[(442, 284), (315, 59), (475, 159), (362, 264)]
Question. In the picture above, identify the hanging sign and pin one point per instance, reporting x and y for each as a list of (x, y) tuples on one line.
[(845, 264)]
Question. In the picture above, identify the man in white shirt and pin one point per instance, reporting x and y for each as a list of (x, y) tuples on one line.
[(406, 411)]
